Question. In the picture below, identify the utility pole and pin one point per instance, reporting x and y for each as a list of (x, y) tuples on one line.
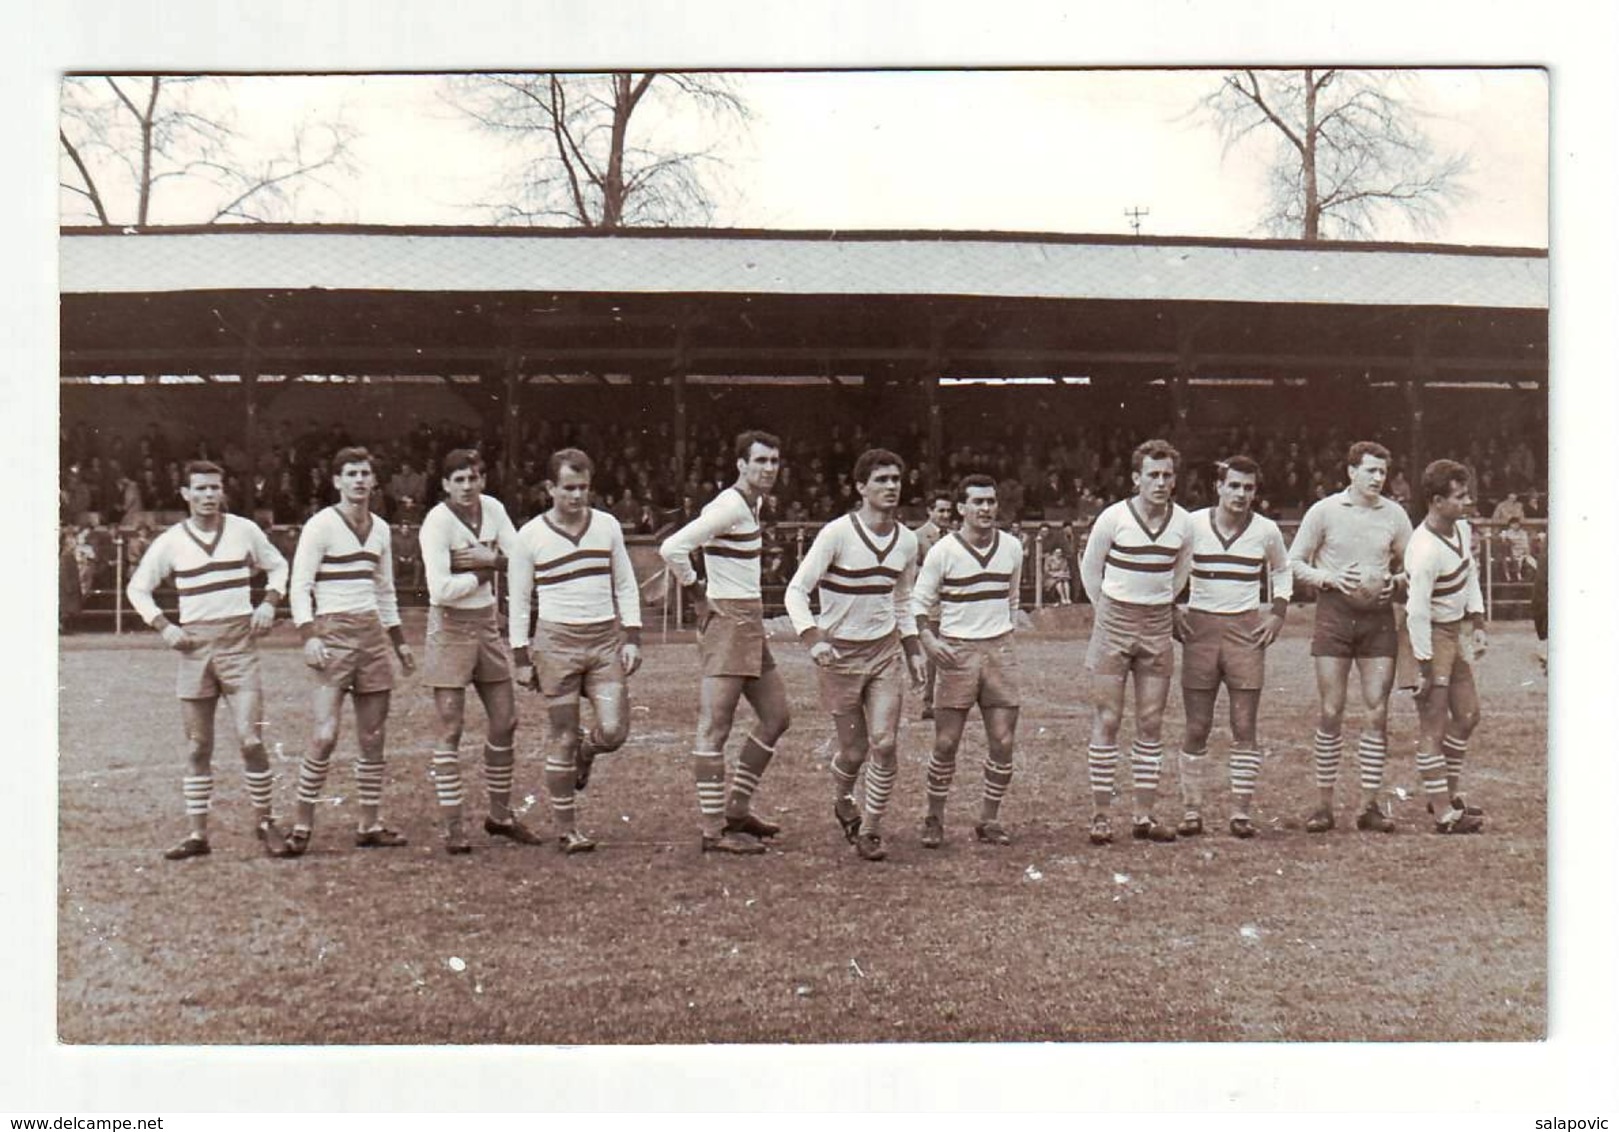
[(1135, 215)]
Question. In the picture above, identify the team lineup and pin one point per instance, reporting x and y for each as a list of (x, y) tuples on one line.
[(881, 609)]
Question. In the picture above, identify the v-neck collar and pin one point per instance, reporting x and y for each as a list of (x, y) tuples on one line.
[(362, 535), (476, 527), (590, 514), (207, 548), (870, 541), (981, 559), (1226, 543), (1142, 523), (1454, 542)]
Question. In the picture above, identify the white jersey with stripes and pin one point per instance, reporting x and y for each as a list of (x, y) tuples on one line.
[(1243, 572), (444, 531), (582, 579), (339, 568), (863, 580), (211, 575), (972, 592), (1443, 582), (729, 535), (1127, 560)]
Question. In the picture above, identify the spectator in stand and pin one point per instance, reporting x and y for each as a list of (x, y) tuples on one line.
[(1059, 578), (1534, 506), (1515, 559), (1508, 509), (407, 483), (627, 510), (1538, 606), (69, 597), (84, 556), (1399, 490), (129, 498)]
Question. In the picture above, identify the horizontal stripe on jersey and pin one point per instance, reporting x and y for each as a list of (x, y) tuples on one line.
[(862, 582), (333, 571), (1241, 572), (1442, 582), (213, 579), (571, 579), (970, 591), (1128, 561), (728, 534)]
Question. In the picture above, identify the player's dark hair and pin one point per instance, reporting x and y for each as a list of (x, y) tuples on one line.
[(977, 479), (353, 454), (1154, 450), (200, 468), (574, 458), (459, 458), (872, 459), (1244, 465), (746, 440), (1440, 478), (1361, 449)]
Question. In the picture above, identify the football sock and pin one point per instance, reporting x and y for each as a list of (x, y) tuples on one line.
[(709, 768), (1372, 754), (447, 781), (312, 777), (1146, 760), (1431, 768), (940, 774), (843, 779), (1194, 764), (1103, 763), (880, 776), (1455, 751), (368, 785), (560, 773), (750, 767), (1244, 775), (199, 792), (497, 781), (1329, 752), (997, 777), (260, 790)]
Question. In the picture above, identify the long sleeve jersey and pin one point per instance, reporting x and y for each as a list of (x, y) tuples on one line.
[(1241, 573), (444, 531), (1443, 577), (1127, 560), (1338, 532), (338, 569), (973, 593), (571, 580), (212, 577), (729, 535), (864, 582)]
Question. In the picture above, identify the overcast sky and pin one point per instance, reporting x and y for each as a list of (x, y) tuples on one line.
[(1060, 151)]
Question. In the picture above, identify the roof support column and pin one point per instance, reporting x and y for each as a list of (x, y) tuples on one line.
[(512, 375), (930, 385), (1422, 371), (678, 369), (1180, 395), (250, 433)]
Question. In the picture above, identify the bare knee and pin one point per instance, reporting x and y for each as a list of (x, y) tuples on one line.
[(199, 753), (254, 757), (885, 751), (1463, 724), (610, 734), (325, 741)]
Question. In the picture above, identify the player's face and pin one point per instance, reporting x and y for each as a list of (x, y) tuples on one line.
[(462, 487), (943, 514), (760, 468), (1155, 482), (570, 492), (205, 494), (881, 489), (979, 509), (1367, 476), (1237, 492), (354, 482), (1456, 505)]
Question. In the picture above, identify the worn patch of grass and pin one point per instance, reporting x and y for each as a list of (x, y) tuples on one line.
[(1289, 937)]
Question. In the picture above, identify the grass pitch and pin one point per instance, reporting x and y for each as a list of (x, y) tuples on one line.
[(1289, 937)]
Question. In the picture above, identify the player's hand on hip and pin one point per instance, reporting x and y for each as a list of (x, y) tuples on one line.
[(822, 653), (630, 657), (315, 654), (178, 639), (407, 658), (263, 618)]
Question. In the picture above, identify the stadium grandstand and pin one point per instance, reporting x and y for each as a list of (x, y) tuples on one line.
[(1041, 359)]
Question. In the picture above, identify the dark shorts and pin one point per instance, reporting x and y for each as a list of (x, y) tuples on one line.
[(357, 653), (860, 669), (1223, 648), (1129, 638), (731, 642), (225, 663), (1341, 630), (570, 659), (1452, 656), (986, 675), (464, 646)]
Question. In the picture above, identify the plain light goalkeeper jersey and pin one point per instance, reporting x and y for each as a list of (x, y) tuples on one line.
[(974, 593), (571, 580), (864, 582), (1443, 583), (211, 575), (1127, 560), (729, 535), (339, 569), (444, 531), (1337, 532), (1240, 573)]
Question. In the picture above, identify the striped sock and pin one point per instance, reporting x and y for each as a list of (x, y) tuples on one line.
[(368, 782), (750, 767), (997, 777), (1244, 773), (1103, 764), (560, 773), (260, 789), (1455, 751), (1329, 752), (941, 773), (199, 793), (1194, 767), (312, 777), (843, 779), (1146, 761), (880, 778), (447, 779), (497, 780), (1372, 754), (1431, 769), (709, 768)]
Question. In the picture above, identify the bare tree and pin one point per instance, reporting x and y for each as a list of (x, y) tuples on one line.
[(1349, 149), (588, 157), (125, 138)]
